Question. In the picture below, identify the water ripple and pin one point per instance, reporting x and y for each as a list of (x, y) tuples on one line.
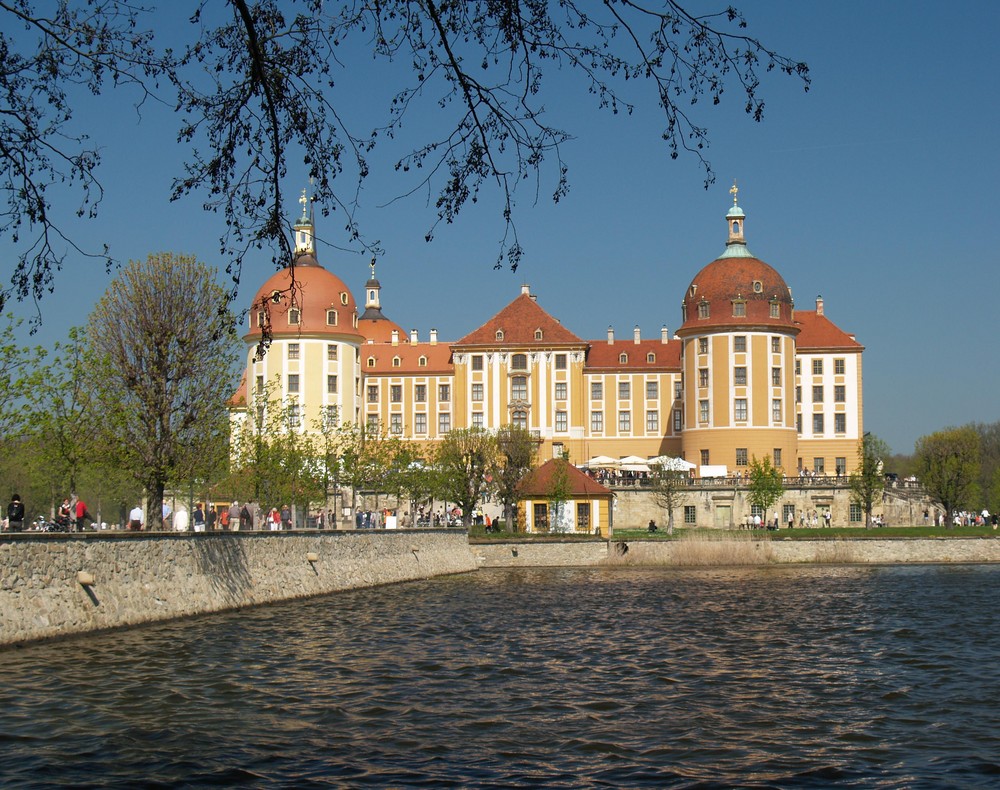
[(597, 677)]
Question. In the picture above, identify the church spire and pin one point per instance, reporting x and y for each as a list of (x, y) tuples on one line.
[(736, 246), (304, 230)]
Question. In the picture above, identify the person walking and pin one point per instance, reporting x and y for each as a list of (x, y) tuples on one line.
[(198, 518)]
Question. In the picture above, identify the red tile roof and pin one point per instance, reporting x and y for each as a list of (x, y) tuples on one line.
[(818, 333), (538, 482), (438, 358), (605, 356), (518, 321)]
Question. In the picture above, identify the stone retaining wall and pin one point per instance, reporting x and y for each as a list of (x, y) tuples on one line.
[(738, 551), (45, 588)]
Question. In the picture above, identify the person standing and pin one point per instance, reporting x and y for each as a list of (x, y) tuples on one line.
[(234, 515), (81, 515), (198, 518), (286, 517), (212, 517), (15, 514), (135, 519)]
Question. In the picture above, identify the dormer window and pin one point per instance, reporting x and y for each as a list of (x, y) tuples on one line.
[(371, 362), (261, 318), (775, 309), (331, 317), (623, 359), (739, 309), (294, 314), (422, 362), (499, 335), (538, 334), (651, 357), (396, 362), (343, 297), (703, 309)]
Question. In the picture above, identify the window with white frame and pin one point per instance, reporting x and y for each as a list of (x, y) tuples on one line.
[(293, 382), (624, 390), (331, 352), (678, 421), (653, 421), (562, 422), (740, 409), (331, 385), (652, 390), (740, 376), (444, 392), (293, 350), (420, 422), (703, 411), (477, 419), (477, 392), (560, 390), (624, 421), (519, 419), (444, 422), (818, 424), (776, 409), (597, 421), (396, 423), (420, 393), (740, 344), (519, 388), (596, 390)]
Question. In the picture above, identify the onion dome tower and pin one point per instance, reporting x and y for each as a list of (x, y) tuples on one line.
[(738, 359), (311, 315)]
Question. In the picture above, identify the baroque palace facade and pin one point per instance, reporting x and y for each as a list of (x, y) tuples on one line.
[(746, 375)]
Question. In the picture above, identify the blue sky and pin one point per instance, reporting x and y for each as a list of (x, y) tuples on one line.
[(877, 190)]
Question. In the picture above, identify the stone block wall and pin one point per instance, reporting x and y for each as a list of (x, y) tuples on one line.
[(58, 585)]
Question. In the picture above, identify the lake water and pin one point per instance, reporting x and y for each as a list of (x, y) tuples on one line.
[(591, 677)]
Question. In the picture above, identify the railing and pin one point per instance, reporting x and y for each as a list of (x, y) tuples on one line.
[(637, 480)]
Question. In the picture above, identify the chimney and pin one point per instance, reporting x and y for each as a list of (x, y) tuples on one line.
[(413, 335), (611, 336), (525, 290), (635, 335), (664, 335), (434, 337), (819, 305), (395, 337)]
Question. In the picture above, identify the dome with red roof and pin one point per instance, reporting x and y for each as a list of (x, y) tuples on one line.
[(736, 289)]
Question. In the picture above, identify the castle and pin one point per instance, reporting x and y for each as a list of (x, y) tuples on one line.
[(746, 374)]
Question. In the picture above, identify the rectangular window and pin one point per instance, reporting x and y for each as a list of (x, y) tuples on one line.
[(798, 367), (739, 309), (477, 392), (840, 464), (652, 390), (740, 409), (294, 416), (788, 514), (838, 367), (519, 388), (373, 393), (740, 343), (444, 392), (293, 382), (840, 423), (541, 511), (678, 390), (583, 516), (817, 367), (702, 377), (624, 421), (703, 310), (775, 377), (562, 423), (420, 422), (396, 423), (704, 457), (741, 456), (331, 385), (678, 424), (775, 310), (652, 421), (560, 362), (839, 393), (420, 393), (624, 390), (477, 361), (260, 385), (477, 419), (854, 513), (702, 345), (798, 394), (776, 410), (798, 423), (372, 423), (596, 390), (444, 422), (740, 376), (818, 424), (818, 393), (819, 466), (293, 350), (703, 411), (775, 345), (560, 390), (396, 393), (689, 514), (776, 455), (597, 421)]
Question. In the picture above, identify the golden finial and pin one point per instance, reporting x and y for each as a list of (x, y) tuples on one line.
[(733, 191)]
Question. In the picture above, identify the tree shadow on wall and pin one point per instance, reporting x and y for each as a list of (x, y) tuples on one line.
[(223, 559)]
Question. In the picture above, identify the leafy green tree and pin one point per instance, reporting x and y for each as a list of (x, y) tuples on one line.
[(867, 481), (559, 494), (517, 450), (463, 459), (257, 82), (666, 486), (156, 339), (948, 462), (989, 470), (765, 485)]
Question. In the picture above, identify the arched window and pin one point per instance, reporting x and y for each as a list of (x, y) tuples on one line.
[(499, 334), (422, 362), (538, 334), (736, 227), (293, 315), (519, 362), (343, 297), (331, 317), (623, 359), (396, 362), (651, 357), (371, 362)]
